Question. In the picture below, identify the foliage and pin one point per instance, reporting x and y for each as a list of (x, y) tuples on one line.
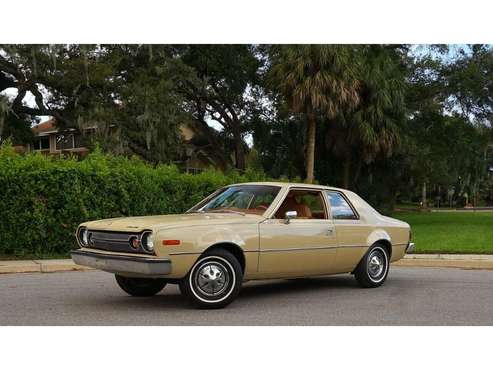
[(392, 122), (218, 90), (44, 199), (127, 92), (373, 129), (423, 121), (317, 81)]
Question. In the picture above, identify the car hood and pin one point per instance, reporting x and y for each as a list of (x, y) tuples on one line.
[(168, 221)]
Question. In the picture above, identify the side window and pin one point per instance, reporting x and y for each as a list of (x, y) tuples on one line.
[(339, 207), (307, 203)]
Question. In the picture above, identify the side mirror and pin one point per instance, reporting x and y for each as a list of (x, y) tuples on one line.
[(290, 215)]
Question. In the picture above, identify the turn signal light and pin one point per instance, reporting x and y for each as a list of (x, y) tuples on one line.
[(134, 242), (171, 242)]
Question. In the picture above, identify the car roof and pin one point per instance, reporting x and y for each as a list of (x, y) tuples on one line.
[(291, 184)]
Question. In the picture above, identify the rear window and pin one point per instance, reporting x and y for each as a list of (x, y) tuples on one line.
[(339, 207)]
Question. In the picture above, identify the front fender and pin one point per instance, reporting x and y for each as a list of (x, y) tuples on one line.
[(194, 240)]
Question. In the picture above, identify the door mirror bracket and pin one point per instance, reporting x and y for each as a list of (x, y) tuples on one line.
[(289, 216)]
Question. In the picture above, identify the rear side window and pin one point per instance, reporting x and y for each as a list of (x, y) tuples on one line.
[(339, 207)]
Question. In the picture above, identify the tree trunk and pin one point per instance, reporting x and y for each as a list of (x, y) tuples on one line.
[(240, 162), (356, 174), (2, 120), (310, 147), (424, 204), (346, 171)]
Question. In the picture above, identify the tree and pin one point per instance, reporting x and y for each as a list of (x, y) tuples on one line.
[(316, 81), (372, 129), (128, 92), (225, 76), (4, 111), (469, 83)]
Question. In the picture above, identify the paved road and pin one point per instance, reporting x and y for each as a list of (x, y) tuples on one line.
[(411, 296)]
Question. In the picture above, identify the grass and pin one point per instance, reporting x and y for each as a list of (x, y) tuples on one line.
[(451, 232)]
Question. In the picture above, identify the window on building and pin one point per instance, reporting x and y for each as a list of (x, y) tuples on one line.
[(77, 141), (64, 141), (42, 143)]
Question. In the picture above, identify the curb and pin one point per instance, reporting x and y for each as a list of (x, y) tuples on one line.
[(44, 266), (464, 261)]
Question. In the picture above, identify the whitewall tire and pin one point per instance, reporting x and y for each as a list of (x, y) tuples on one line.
[(373, 268), (214, 280)]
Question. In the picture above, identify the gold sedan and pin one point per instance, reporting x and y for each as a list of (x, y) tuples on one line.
[(243, 232)]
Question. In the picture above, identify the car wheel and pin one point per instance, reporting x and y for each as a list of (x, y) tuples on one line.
[(214, 280), (140, 287), (373, 269)]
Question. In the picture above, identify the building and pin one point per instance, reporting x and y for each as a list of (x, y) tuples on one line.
[(48, 139), (198, 153)]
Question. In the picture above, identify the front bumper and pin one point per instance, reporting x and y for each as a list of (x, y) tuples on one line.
[(128, 265), (410, 248)]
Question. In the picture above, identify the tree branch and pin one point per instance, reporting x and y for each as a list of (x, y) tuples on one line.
[(6, 82)]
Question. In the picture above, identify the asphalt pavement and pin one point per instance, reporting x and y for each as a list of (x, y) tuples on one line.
[(410, 296)]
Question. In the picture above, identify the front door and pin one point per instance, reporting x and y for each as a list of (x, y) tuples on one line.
[(306, 245)]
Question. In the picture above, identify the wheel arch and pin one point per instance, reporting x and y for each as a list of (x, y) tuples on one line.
[(233, 248), (384, 243), (380, 236)]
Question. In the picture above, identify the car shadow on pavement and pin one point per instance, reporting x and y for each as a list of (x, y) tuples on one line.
[(295, 286), (171, 299)]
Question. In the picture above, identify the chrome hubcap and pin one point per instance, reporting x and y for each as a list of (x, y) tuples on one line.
[(212, 279), (376, 264)]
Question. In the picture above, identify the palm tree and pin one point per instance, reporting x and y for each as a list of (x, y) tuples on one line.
[(315, 80), (372, 129)]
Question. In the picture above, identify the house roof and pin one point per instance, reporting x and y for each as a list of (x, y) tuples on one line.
[(45, 127)]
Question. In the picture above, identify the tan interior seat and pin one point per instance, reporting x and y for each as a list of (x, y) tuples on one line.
[(290, 204)]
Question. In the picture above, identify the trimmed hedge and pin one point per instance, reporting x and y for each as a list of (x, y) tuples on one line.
[(44, 199)]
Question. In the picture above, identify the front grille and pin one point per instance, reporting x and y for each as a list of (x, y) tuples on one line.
[(113, 241)]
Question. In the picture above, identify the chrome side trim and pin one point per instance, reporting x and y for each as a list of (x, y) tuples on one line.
[(198, 253), (183, 253), (310, 248)]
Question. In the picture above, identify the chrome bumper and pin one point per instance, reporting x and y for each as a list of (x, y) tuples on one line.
[(129, 265), (410, 248)]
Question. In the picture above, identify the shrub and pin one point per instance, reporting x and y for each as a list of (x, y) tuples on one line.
[(44, 198)]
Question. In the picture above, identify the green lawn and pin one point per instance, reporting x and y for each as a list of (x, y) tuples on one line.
[(450, 232)]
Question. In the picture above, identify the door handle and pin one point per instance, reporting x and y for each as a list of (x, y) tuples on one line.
[(330, 231)]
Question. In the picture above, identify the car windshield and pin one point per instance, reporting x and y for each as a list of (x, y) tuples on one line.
[(251, 199)]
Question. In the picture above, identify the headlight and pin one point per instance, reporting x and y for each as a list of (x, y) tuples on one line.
[(147, 242), (84, 236)]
